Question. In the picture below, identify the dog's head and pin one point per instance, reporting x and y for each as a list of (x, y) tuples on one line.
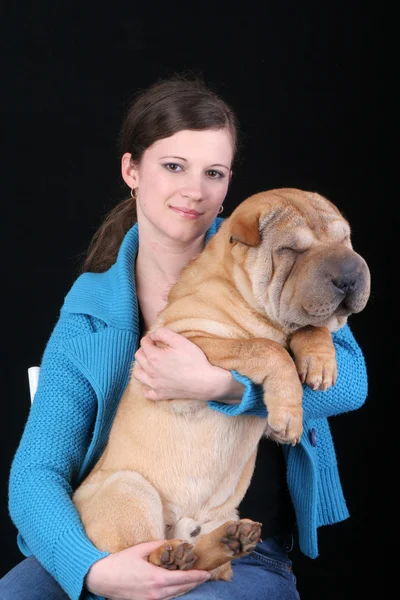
[(300, 268)]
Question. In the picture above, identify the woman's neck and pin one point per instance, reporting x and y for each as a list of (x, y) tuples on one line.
[(159, 263)]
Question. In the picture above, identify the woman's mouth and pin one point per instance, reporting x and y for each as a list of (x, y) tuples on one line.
[(187, 213)]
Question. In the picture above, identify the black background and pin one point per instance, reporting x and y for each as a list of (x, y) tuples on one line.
[(306, 80)]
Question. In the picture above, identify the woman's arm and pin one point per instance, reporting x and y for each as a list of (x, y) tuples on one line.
[(49, 457), (51, 451), (169, 365), (226, 387), (168, 372)]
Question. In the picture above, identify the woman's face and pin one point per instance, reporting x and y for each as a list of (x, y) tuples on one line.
[(181, 182)]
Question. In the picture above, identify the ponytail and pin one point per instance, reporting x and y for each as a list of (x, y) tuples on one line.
[(103, 248)]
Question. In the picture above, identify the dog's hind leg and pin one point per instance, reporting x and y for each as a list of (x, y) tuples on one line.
[(231, 540), (119, 509)]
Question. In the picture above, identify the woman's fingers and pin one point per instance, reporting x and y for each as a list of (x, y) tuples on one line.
[(146, 343), (178, 591), (182, 585), (165, 336), (141, 361), (142, 377)]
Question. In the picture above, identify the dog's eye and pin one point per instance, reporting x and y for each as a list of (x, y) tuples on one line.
[(290, 249), (289, 252)]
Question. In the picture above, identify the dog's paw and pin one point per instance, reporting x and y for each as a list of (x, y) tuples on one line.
[(241, 537), (285, 426), (318, 372), (173, 555)]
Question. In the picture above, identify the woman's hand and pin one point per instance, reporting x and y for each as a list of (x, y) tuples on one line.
[(127, 575), (178, 368)]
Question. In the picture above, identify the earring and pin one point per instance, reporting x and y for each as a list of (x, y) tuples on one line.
[(221, 208), (133, 193)]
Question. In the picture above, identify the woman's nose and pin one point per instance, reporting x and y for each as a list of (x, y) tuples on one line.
[(192, 188)]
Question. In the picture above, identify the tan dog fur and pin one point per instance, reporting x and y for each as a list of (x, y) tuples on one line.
[(279, 276)]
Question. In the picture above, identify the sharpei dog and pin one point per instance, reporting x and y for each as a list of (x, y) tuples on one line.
[(262, 298)]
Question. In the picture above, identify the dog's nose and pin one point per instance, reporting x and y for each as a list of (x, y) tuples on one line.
[(347, 274), (346, 283)]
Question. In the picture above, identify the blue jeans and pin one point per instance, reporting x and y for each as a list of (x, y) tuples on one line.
[(266, 574), (30, 581)]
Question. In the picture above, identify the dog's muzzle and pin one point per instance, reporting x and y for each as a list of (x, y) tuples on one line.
[(338, 283)]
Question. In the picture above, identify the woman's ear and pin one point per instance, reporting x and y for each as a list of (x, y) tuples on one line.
[(129, 171)]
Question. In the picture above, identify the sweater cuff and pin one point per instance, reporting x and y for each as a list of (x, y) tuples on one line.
[(252, 402), (73, 556), (332, 506)]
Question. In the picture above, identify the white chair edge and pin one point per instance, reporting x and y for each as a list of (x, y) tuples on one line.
[(33, 377)]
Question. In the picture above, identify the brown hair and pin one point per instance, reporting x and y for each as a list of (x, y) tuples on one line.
[(169, 105)]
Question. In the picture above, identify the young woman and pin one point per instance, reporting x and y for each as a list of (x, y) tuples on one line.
[(178, 144)]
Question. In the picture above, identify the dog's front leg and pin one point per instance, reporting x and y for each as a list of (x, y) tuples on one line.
[(269, 364), (315, 356)]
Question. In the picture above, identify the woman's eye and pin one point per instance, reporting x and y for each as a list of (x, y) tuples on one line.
[(174, 167), (215, 174)]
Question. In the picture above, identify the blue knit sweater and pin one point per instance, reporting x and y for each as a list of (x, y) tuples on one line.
[(84, 370)]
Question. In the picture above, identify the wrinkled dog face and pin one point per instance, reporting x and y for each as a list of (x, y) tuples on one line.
[(300, 261)]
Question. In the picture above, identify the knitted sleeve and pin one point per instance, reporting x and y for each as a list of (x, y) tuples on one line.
[(349, 393), (53, 445)]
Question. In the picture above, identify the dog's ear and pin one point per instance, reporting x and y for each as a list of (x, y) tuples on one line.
[(244, 228)]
